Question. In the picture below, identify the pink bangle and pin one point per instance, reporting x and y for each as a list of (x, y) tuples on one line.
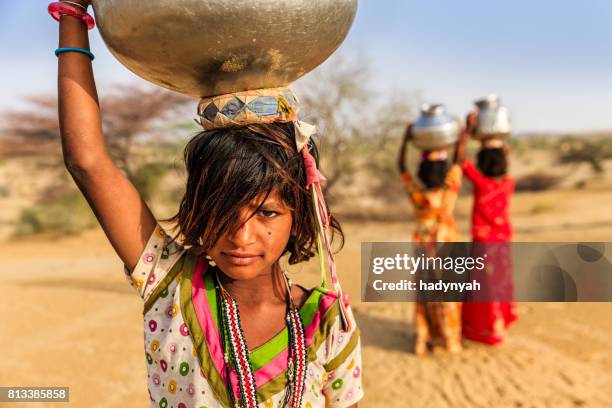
[(58, 9)]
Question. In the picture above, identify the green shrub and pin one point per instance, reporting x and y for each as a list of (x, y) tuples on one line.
[(537, 182), (29, 222), (541, 208), (68, 213), (148, 177)]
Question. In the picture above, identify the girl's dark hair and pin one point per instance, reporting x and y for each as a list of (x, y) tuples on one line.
[(228, 168), (492, 162), (433, 173)]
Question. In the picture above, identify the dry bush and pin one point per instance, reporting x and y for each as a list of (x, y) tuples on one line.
[(357, 124), (537, 182), (65, 213), (129, 113), (332, 99), (586, 150)]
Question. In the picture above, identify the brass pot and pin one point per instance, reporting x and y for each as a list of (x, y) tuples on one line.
[(212, 47)]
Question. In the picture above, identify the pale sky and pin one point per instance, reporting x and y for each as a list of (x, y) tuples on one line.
[(550, 61)]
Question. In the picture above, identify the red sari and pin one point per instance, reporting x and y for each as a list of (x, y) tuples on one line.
[(487, 321)]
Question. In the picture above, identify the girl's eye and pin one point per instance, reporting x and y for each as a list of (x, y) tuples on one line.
[(268, 214)]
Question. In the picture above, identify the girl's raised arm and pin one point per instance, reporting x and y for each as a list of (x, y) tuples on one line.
[(401, 160), (118, 206)]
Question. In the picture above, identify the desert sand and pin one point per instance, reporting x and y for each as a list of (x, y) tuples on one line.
[(69, 318)]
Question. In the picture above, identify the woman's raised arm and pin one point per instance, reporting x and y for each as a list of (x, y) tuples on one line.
[(401, 160), (466, 132), (118, 206)]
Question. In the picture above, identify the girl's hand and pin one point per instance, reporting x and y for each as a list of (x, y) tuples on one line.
[(128, 223), (471, 123)]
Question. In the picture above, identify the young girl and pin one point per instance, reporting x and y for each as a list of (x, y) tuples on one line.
[(223, 324), (433, 196), (486, 321)]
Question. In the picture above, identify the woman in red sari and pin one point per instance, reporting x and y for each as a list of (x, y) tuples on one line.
[(491, 227)]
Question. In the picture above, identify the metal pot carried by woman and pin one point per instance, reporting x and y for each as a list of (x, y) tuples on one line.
[(435, 129), (213, 47), (493, 119)]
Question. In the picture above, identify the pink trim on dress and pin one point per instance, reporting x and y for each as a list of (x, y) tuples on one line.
[(279, 363), (204, 316), (213, 340)]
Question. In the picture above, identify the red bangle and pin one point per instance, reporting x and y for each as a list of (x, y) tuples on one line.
[(59, 9)]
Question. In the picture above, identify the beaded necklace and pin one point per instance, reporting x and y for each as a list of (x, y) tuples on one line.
[(232, 334)]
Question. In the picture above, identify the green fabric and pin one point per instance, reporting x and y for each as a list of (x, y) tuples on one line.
[(197, 336), (343, 355), (315, 206), (323, 331), (277, 385), (211, 297), (265, 353), (262, 354)]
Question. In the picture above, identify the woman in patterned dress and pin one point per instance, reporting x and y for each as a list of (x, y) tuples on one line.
[(434, 194)]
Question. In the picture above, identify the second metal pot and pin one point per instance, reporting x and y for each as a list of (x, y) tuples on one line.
[(493, 119)]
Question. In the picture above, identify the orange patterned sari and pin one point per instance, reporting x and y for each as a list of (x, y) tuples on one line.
[(437, 323)]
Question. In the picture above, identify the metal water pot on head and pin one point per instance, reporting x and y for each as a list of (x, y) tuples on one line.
[(435, 128), (493, 119), (212, 47)]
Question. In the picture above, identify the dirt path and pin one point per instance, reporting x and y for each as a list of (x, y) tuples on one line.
[(69, 319)]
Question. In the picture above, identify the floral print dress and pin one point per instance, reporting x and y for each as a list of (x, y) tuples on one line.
[(183, 351), (438, 323)]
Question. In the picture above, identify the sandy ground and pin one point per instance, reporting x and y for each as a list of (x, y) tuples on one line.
[(69, 318)]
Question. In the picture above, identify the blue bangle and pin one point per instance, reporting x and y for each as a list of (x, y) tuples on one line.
[(74, 49)]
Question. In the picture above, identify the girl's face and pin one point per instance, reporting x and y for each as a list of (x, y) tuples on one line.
[(258, 243)]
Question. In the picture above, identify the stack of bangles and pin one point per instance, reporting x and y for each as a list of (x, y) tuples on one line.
[(76, 10)]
